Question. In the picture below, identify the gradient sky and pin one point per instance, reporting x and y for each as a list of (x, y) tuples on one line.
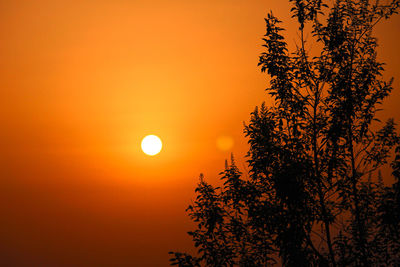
[(82, 82)]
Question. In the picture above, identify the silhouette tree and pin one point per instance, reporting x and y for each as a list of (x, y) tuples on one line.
[(314, 195)]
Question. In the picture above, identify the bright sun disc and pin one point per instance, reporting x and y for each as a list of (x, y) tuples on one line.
[(151, 145)]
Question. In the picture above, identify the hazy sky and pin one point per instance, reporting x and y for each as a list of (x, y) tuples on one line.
[(82, 82)]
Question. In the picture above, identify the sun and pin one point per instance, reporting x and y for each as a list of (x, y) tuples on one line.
[(151, 145)]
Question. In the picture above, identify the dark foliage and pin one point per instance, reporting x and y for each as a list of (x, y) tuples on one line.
[(314, 195)]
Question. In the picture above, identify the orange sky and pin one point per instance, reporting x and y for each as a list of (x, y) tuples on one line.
[(82, 82)]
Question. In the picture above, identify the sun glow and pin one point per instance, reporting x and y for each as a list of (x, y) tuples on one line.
[(151, 145)]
